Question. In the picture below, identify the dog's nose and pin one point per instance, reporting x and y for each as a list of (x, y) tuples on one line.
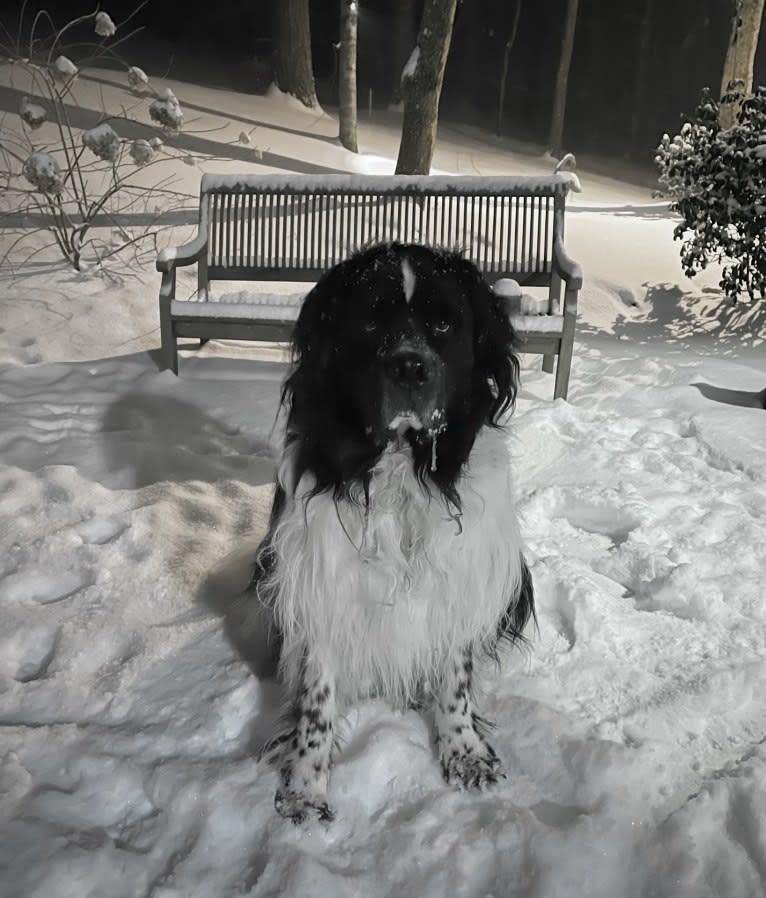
[(410, 369)]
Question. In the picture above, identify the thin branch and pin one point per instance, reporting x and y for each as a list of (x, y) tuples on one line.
[(24, 235), (7, 261), (68, 27), (91, 188), (38, 16)]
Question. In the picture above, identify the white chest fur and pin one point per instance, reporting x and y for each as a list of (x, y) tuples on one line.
[(382, 596)]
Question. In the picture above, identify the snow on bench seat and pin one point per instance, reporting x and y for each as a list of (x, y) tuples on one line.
[(538, 324), (249, 305), (243, 304)]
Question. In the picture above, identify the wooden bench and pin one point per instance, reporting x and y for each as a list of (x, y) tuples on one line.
[(268, 228)]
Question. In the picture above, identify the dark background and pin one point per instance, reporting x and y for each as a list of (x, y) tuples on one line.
[(619, 100)]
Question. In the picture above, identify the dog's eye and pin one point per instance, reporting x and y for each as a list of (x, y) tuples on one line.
[(370, 326), (439, 317)]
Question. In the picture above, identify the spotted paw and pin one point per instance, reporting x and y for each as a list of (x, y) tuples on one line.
[(301, 808), (472, 769)]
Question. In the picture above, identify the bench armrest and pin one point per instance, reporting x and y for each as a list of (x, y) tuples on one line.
[(569, 270), (177, 256), (168, 285)]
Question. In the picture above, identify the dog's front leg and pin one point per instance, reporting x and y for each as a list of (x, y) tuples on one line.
[(467, 759), (304, 768)]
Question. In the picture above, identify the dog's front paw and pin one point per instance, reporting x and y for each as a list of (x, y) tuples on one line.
[(471, 768), (300, 807)]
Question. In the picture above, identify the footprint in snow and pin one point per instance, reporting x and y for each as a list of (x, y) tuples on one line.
[(100, 530), (43, 589), (615, 523), (35, 650)]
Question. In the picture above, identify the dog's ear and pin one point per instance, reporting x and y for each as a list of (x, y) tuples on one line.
[(494, 359), (320, 435), (312, 350), (312, 336)]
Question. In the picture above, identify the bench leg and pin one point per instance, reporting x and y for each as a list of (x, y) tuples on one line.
[(562, 378), (169, 352), (565, 358), (548, 362), (170, 355)]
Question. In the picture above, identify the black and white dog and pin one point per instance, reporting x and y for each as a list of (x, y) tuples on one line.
[(393, 555)]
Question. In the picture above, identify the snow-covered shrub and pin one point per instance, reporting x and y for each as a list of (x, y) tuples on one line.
[(64, 70), (104, 25), (42, 165), (44, 173), (166, 111), (716, 180), (102, 140), (141, 151), (70, 177), (33, 114), (137, 78)]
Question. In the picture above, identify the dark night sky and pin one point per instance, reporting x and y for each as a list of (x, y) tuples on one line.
[(218, 42)]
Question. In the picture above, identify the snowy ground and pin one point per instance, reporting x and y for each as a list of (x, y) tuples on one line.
[(131, 709)]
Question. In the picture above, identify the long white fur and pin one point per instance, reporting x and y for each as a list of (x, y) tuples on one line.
[(381, 599)]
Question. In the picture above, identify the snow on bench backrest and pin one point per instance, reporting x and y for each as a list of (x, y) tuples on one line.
[(296, 227)]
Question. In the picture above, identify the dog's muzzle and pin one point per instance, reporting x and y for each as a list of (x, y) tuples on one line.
[(413, 389), (410, 370)]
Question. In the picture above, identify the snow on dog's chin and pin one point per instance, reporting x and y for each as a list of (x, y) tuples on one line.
[(411, 420), (403, 421)]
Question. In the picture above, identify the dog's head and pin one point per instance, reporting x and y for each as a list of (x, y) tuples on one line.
[(399, 343)]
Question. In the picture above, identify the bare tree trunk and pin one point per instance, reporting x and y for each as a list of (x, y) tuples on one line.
[(349, 16), (422, 87), (556, 137), (642, 68), (506, 59), (404, 41), (740, 55), (292, 54)]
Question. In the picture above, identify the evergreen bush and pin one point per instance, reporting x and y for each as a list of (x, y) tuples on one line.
[(716, 181)]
